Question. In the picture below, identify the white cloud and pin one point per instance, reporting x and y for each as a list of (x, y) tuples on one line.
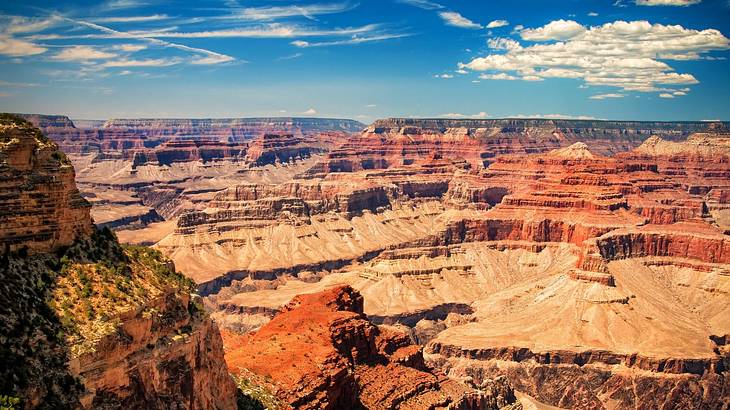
[(277, 12), (272, 30), (19, 48), (455, 19), (501, 43), (130, 48), (310, 111), (631, 56), (444, 76), (212, 59), (679, 93), (455, 115), (555, 30), (666, 95), (497, 23), (82, 53), (593, 14), (461, 71), (371, 105), (606, 96), (353, 40), (131, 19), (683, 3), (498, 76)]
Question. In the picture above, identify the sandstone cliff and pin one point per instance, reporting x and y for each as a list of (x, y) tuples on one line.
[(41, 207)]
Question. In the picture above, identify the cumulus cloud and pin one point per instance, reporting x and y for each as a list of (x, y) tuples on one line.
[(497, 23), (683, 3), (666, 95), (555, 30), (455, 19), (82, 53), (501, 43), (631, 56)]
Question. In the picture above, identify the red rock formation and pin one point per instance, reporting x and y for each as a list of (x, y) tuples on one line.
[(321, 352)]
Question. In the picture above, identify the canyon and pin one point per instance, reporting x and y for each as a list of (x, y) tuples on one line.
[(478, 263)]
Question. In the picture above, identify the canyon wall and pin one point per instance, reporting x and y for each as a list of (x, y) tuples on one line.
[(89, 323)]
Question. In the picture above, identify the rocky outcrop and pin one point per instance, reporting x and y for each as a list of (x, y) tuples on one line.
[(41, 208), (321, 352), (88, 323)]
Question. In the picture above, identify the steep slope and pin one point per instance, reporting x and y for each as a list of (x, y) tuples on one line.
[(86, 322)]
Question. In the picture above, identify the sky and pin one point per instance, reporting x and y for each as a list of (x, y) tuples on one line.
[(368, 59)]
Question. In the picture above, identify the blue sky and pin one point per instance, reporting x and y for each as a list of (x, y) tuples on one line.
[(625, 59)]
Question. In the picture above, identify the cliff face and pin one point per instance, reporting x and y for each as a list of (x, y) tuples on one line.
[(41, 207), (88, 323)]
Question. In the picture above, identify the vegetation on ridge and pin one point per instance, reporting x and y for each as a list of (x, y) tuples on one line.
[(60, 305)]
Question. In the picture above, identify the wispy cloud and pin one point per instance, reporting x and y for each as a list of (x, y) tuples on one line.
[(277, 12), (455, 19), (349, 41), (82, 53), (422, 4), (19, 48), (130, 19), (151, 62), (683, 3), (290, 57)]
